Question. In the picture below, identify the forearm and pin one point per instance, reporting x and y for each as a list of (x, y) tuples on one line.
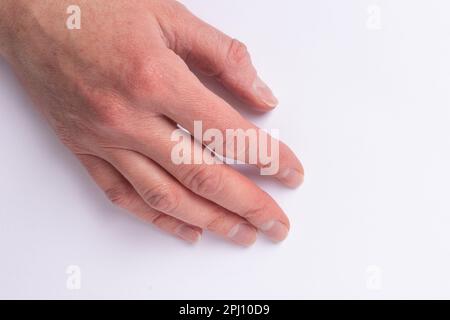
[(3, 26), (16, 17), (8, 10), (22, 22)]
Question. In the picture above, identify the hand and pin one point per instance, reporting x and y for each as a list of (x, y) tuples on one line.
[(114, 92)]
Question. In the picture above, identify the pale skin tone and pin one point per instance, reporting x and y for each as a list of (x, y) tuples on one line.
[(114, 91)]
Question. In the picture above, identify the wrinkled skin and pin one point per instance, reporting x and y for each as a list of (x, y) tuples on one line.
[(114, 92)]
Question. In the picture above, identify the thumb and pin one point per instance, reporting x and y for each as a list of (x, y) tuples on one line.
[(216, 54)]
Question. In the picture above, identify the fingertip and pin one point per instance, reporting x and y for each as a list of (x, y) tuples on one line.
[(243, 234), (264, 94), (291, 172), (292, 178), (275, 230), (188, 233)]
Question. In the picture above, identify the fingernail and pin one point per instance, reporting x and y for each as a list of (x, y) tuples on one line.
[(275, 230), (243, 234), (291, 177), (187, 233), (264, 93)]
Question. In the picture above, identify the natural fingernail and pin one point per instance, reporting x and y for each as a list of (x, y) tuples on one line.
[(187, 233), (275, 230), (243, 234), (291, 177), (264, 93)]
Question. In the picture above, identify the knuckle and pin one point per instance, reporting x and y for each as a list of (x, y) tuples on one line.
[(144, 78), (111, 117), (119, 195), (109, 111), (168, 6), (256, 212), (158, 219), (238, 53), (162, 198), (216, 222), (176, 5), (203, 180)]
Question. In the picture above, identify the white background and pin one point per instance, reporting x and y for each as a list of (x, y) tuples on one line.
[(367, 110)]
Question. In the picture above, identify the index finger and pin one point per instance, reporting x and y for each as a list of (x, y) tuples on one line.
[(191, 102)]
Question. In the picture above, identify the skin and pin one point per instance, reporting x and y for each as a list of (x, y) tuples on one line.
[(114, 91)]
